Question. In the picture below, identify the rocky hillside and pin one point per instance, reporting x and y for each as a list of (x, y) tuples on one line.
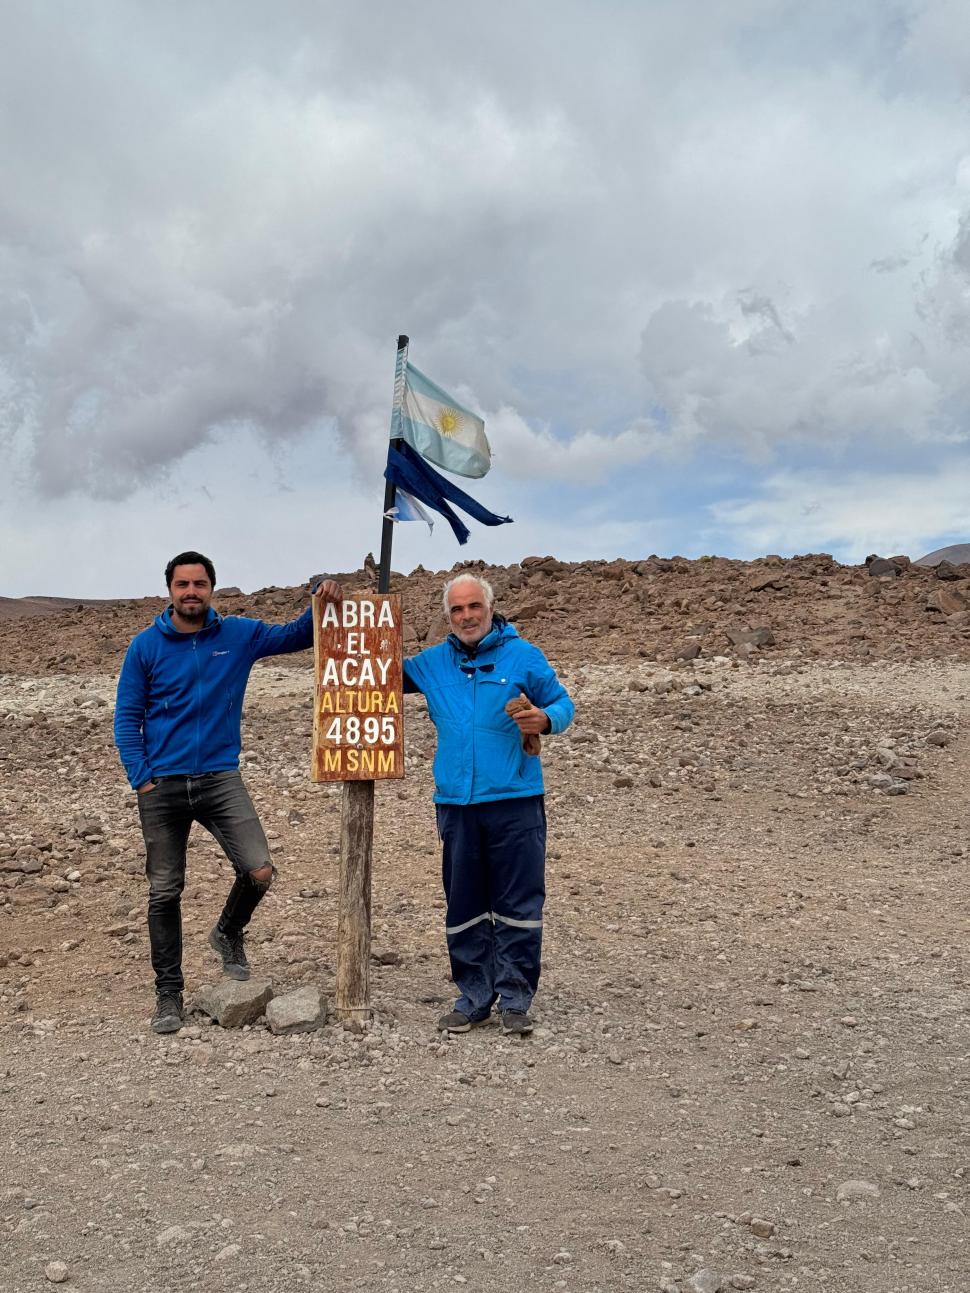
[(657, 608)]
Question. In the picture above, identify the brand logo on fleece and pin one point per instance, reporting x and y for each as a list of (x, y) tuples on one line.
[(220, 653)]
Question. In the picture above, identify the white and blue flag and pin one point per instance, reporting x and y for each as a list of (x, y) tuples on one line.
[(407, 508), (439, 428)]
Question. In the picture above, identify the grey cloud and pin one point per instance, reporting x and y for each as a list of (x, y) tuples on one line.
[(889, 264), (219, 217)]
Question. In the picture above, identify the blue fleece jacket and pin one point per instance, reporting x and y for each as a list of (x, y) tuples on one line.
[(479, 756), (180, 695)]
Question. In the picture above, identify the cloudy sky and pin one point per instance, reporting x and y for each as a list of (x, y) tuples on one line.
[(704, 269)]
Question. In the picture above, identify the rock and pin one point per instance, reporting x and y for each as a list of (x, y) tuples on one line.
[(761, 1227), (385, 956), (758, 637), (230, 1250), (853, 1191), (882, 566), (742, 1281), (689, 651), (301, 1011), (760, 582), (947, 570), (172, 1236), (948, 601), (938, 737), (527, 611), (56, 1272), (705, 1280), (549, 564), (232, 1004)]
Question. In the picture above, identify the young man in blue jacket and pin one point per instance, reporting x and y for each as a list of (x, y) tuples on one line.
[(177, 716), (489, 801)]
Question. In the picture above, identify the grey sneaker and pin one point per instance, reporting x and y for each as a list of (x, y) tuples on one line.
[(168, 1016), (230, 948), (455, 1022), (516, 1022)]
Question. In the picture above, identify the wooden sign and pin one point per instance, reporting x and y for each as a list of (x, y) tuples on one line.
[(358, 710)]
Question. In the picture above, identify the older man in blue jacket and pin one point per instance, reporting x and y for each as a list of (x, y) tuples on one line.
[(177, 728), (489, 801)]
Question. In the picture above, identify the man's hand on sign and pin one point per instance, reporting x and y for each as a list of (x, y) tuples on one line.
[(330, 591)]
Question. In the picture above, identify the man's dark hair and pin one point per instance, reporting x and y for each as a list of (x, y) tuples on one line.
[(190, 559)]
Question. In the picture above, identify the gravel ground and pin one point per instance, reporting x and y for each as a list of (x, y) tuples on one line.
[(751, 1062)]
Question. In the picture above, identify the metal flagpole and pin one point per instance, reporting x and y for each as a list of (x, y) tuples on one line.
[(387, 533), (357, 812)]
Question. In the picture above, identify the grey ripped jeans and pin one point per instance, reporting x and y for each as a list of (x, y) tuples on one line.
[(220, 802)]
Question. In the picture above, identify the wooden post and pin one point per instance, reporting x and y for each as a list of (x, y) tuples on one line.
[(353, 927), (357, 814)]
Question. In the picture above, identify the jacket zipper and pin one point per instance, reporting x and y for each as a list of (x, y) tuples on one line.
[(198, 706)]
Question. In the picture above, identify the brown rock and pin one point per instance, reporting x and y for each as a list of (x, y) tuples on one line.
[(947, 571), (948, 601), (880, 567), (758, 637), (528, 611)]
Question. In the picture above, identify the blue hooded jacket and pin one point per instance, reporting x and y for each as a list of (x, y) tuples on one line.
[(479, 756), (180, 695)]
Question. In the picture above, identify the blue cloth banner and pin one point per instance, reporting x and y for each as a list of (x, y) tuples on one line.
[(408, 471)]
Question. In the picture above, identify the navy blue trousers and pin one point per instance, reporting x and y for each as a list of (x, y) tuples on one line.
[(493, 867)]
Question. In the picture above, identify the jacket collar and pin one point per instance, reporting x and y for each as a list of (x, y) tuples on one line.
[(500, 631), (164, 623)]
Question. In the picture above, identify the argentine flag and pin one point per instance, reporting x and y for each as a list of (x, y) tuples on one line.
[(441, 429), (408, 509)]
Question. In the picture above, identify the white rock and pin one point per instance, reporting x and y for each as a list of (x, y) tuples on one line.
[(172, 1236), (850, 1191), (301, 1011), (704, 1281)]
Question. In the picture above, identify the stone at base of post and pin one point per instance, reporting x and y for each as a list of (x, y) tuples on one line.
[(352, 999)]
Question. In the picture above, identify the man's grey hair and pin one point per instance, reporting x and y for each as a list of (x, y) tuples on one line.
[(483, 584)]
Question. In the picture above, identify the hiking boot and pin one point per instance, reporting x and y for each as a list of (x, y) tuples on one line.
[(230, 948), (168, 1016), (516, 1022)]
